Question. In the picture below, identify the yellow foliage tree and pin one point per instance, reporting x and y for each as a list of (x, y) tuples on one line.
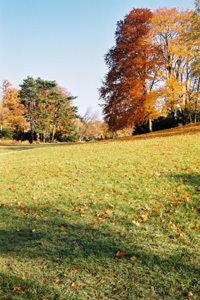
[(168, 30), (13, 110)]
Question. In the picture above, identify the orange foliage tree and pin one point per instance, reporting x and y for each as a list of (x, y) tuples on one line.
[(12, 110), (133, 65)]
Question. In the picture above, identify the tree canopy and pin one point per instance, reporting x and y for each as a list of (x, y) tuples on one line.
[(151, 68)]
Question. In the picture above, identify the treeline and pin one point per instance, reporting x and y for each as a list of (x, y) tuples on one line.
[(40, 111), (153, 79)]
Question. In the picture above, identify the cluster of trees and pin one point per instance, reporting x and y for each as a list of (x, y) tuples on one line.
[(40, 110), (154, 69), (153, 78)]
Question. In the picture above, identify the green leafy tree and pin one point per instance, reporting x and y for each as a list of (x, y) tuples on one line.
[(48, 109)]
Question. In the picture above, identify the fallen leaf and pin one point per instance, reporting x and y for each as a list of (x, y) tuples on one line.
[(17, 288), (18, 229), (146, 208), (180, 234), (136, 223), (120, 254), (62, 227), (133, 258), (190, 294), (144, 217), (101, 215)]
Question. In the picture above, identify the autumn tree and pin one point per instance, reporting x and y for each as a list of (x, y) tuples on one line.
[(133, 64), (192, 37), (12, 111), (168, 30), (90, 127)]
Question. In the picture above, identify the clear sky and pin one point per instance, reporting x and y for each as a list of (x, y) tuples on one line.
[(64, 40)]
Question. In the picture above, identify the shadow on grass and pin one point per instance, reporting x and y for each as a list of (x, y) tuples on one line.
[(16, 288), (55, 239), (60, 243), (29, 147), (190, 180)]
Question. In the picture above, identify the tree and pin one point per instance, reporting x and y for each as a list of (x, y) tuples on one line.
[(169, 27), (89, 127), (48, 108), (133, 64), (34, 96), (192, 37), (12, 111)]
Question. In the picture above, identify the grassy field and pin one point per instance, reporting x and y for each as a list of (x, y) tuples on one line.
[(109, 220)]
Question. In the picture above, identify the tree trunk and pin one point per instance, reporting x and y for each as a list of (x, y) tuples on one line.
[(150, 125), (1, 128), (32, 133), (175, 117), (54, 132), (38, 136), (44, 137)]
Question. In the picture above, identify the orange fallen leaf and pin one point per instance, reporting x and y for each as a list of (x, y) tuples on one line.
[(62, 227), (180, 234), (120, 254), (190, 294), (10, 276), (24, 277), (18, 229), (144, 217), (74, 268), (17, 288), (173, 225), (101, 215), (133, 258)]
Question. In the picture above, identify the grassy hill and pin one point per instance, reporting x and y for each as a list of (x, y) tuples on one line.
[(111, 220)]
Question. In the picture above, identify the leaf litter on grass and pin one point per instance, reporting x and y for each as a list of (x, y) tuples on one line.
[(116, 220)]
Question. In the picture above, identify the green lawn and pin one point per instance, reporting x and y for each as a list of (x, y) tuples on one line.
[(109, 220)]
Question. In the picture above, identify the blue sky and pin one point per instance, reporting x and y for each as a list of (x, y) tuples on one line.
[(64, 40)]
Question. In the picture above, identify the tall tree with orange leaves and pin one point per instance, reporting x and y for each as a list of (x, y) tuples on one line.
[(133, 64)]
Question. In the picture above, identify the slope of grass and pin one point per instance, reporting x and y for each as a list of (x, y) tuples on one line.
[(109, 220)]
